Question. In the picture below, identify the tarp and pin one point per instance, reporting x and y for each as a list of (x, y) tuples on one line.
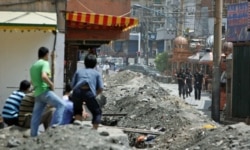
[(28, 20), (207, 58), (194, 58), (81, 19)]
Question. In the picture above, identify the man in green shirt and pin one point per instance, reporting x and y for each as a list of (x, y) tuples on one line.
[(40, 78)]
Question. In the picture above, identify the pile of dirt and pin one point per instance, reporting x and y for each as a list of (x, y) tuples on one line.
[(234, 136), (63, 138), (149, 107)]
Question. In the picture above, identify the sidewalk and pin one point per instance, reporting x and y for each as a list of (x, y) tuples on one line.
[(201, 105)]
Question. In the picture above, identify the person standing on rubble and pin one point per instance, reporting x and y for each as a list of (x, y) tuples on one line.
[(106, 68), (44, 91), (87, 84), (198, 80)]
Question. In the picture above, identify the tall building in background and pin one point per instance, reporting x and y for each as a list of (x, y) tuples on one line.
[(189, 11), (151, 14), (154, 9), (161, 21), (166, 33)]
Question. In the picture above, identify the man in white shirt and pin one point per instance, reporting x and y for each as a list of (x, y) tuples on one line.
[(106, 68)]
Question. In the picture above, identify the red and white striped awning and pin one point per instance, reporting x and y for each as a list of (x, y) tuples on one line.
[(82, 19)]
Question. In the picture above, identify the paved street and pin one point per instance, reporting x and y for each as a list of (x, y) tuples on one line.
[(201, 105)]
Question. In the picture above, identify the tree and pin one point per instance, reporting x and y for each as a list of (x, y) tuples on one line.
[(161, 61)]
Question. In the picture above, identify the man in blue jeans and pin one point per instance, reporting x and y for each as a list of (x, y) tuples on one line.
[(40, 78), (87, 84)]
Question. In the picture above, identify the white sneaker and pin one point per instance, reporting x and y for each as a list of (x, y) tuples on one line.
[(77, 122)]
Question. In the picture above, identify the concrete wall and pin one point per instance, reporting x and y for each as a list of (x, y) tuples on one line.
[(18, 52)]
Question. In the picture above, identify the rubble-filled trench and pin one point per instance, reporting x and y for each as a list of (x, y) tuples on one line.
[(149, 107), (150, 117)]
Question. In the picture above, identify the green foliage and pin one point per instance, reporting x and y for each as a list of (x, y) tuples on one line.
[(161, 61)]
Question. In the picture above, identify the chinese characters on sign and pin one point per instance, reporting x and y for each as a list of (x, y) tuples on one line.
[(237, 22)]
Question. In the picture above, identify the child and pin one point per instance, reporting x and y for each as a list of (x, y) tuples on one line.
[(87, 84)]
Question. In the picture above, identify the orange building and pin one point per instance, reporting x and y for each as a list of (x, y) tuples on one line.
[(180, 53)]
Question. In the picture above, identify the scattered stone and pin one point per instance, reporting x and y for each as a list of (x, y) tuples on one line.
[(2, 136), (104, 133), (13, 142)]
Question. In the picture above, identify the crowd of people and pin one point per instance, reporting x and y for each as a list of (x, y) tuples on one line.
[(29, 108), (186, 81)]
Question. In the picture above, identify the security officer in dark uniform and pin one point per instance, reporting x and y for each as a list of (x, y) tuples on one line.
[(198, 80), (181, 82), (189, 87)]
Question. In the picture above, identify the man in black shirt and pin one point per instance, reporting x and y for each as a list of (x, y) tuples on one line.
[(181, 82), (198, 80), (189, 87)]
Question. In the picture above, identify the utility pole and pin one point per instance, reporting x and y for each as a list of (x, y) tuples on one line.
[(181, 20), (147, 36), (147, 41), (145, 18), (216, 61)]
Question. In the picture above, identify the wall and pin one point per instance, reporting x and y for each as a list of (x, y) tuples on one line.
[(109, 7), (18, 52), (241, 81), (211, 25), (27, 5)]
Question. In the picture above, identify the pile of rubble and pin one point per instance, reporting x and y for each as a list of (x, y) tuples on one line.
[(146, 108), (138, 114)]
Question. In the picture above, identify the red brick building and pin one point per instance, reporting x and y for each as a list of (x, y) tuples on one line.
[(90, 24)]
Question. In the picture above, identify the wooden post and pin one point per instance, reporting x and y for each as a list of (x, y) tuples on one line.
[(216, 61)]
